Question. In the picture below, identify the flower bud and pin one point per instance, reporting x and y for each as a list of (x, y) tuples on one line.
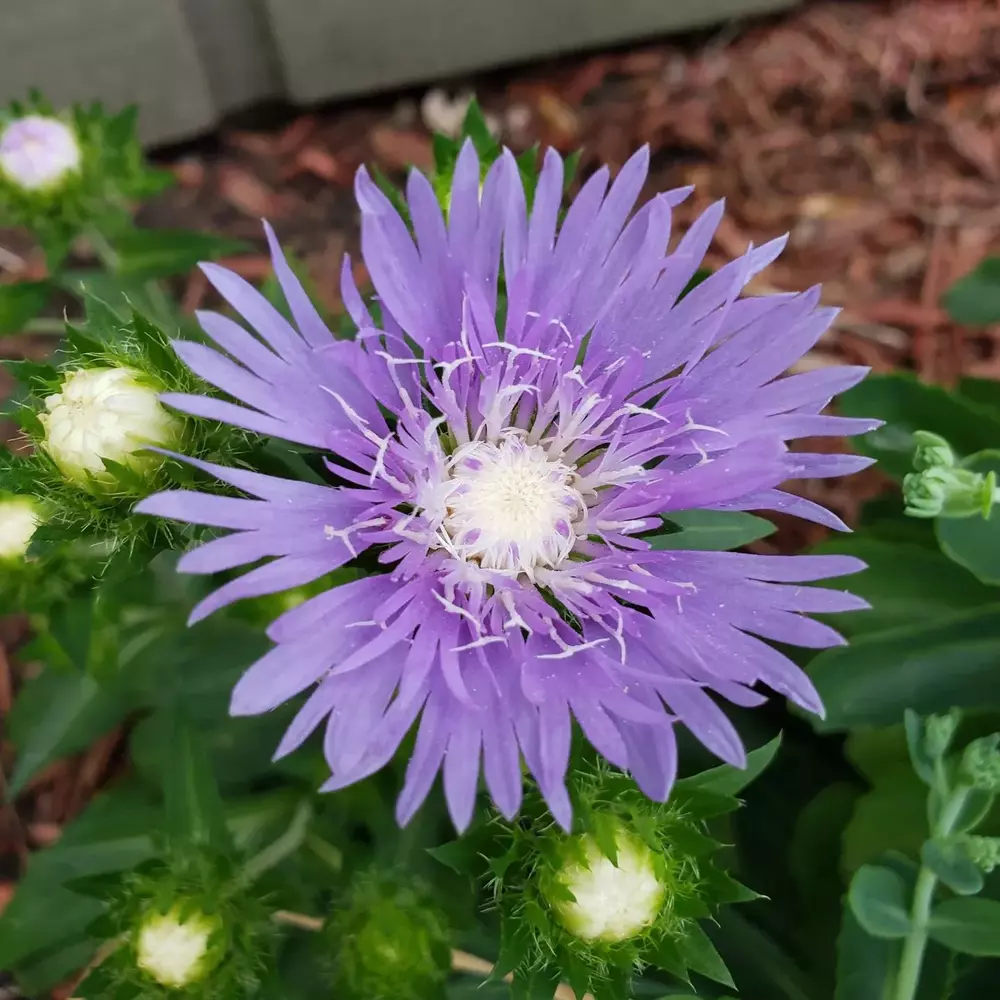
[(931, 450), (38, 152), (18, 521), (939, 731), (983, 852), (607, 900), (177, 948), (949, 492), (105, 414), (980, 765), (388, 941)]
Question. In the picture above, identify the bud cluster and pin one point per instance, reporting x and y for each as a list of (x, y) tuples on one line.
[(941, 487)]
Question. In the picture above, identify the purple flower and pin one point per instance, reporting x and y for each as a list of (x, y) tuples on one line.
[(501, 457)]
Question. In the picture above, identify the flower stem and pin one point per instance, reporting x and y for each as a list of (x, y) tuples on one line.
[(912, 958), (276, 852), (45, 324)]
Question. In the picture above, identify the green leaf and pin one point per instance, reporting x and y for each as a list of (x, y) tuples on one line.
[(20, 303), (59, 713), (865, 964), (49, 968), (952, 866), (712, 530), (975, 298), (981, 391), (191, 796), (969, 926), (950, 662), (729, 780), (905, 584), (475, 128), (157, 253), (700, 955), (908, 405), (974, 542), (121, 294), (923, 763), (877, 898)]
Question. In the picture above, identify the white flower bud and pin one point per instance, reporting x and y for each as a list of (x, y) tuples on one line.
[(18, 521), (175, 948), (611, 902), (104, 413), (37, 152)]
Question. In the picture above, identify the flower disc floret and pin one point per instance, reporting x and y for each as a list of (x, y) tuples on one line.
[(175, 948), (506, 461), (18, 521), (104, 414), (38, 152), (613, 900)]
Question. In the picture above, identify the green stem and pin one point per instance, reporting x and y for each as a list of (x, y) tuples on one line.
[(45, 324), (276, 852), (912, 958)]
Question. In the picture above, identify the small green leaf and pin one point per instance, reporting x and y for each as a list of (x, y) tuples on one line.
[(969, 926), (20, 303), (952, 866), (55, 965), (922, 763), (975, 298), (712, 530), (975, 809), (877, 898), (729, 780), (475, 128), (700, 955), (59, 713), (974, 542), (157, 253)]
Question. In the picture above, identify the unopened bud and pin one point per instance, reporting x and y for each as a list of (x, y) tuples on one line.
[(931, 450), (939, 731), (949, 492), (981, 763), (983, 852), (38, 152), (18, 521), (105, 414)]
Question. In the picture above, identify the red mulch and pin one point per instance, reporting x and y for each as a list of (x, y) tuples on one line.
[(869, 131)]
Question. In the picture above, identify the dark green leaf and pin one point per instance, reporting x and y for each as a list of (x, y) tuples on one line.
[(191, 796), (974, 542), (975, 298), (59, 713), (970, 926), (907, 406), (877, 898), (865, 965), (56, 965), (121, 294), (952, 866), (20, 303), (712, 530), (931, 667), (729, 780), (982, 392), (905, 584), (154, 253), (700, 955)]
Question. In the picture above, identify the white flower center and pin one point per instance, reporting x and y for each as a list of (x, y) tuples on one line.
[(612, 903), (172, 952), (509, 507)]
